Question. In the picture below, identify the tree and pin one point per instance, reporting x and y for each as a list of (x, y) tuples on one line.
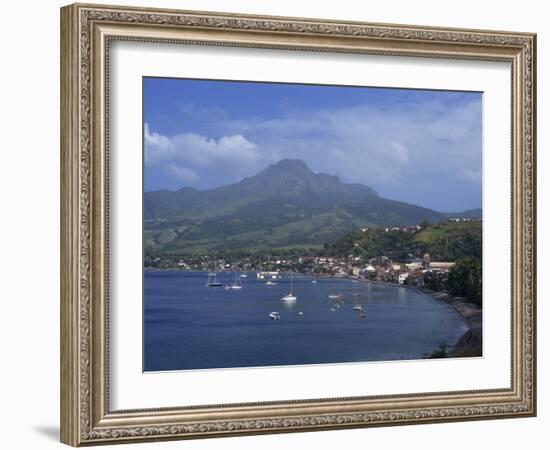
[(465, 279)]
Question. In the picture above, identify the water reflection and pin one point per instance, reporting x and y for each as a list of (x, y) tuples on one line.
[(289, 306), (401, 295)]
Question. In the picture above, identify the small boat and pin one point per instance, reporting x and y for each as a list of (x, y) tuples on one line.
[(236, 285), (358, 308), (314, 281), (356, 294), (212, 281), (300, 313), (290, 297), (362, 316), (334, 296), (243, 275), (270, 283), (333, 309), (274, 315)]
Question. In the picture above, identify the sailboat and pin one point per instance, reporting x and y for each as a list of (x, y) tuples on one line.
[(213, 281), (290, 297), (237, 284)]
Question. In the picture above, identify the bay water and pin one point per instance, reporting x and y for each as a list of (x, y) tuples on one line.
[(190, 326)]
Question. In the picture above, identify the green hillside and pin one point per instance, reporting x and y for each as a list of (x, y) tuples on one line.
[(446, 241), (286, 205)]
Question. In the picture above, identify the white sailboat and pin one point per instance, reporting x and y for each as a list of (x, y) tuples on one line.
[(237, 284), (212, 281), (290, 297)]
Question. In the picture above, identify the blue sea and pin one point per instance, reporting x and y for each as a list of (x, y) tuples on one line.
[(190, 326)]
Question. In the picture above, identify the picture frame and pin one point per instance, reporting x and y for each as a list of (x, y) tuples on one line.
[(87, 32)]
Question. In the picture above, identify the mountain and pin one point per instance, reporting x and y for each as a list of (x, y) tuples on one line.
[(289, 181), (285, 205)]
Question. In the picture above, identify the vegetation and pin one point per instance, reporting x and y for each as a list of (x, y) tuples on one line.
[(441, 352), (465, 279), (447, 241), (450, 241), (285, 205)]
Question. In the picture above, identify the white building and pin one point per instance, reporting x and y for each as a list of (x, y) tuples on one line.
[(414, 265), (441, 265)]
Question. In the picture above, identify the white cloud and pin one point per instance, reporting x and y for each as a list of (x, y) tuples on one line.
[(184, 174), (374, 144), (198, 149), (185, 155), (157, 146), (390, 147)]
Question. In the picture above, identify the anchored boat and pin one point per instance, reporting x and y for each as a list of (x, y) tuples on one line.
[(213, 280), (290, 297), (237, 284)]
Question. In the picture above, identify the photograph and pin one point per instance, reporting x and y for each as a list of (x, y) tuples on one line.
[(294, 224)]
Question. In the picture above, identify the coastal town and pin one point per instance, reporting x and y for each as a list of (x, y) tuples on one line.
[(413, 269), (416, 272)]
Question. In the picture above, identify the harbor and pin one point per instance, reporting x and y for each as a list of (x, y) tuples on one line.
[(189, 325)]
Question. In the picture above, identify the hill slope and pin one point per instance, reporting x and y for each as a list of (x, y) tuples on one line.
[(288, 181), (287, 204), (447, 241)]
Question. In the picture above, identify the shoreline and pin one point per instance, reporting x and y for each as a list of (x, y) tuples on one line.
[(470, 343)]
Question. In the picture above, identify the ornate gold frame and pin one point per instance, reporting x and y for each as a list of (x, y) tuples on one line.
[(86, 31)]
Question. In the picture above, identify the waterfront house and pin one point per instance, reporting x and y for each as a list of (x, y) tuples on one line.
[(441, 265), (415, 265)]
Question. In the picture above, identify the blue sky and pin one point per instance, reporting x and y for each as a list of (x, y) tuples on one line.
[(417, 146)]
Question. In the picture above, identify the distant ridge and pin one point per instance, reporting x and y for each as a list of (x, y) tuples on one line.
[(287, 204), (289, 179), (468, 214)]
